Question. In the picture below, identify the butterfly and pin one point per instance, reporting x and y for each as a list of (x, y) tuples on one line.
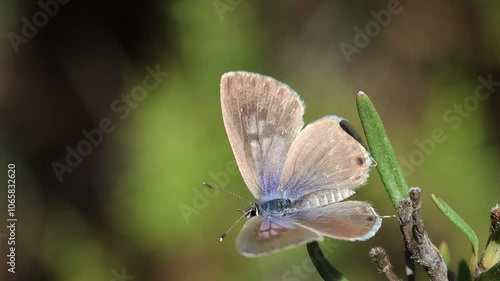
[(299, 176)]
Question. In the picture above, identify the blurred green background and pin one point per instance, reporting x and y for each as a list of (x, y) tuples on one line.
[(135, 209)]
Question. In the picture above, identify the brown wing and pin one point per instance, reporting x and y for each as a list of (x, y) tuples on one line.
[(324, 156), (262, 118), (265, 235), (349, 220)]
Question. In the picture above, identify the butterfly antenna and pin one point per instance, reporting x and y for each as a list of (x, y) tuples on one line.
[(388, 217), (226, 191), (232, 226)]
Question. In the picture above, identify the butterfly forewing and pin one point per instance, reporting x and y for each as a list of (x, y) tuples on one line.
[(262, 117), (264, 235), (349, 220), (324, 157)]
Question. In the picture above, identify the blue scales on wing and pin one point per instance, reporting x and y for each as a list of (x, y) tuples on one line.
[(262, 118)]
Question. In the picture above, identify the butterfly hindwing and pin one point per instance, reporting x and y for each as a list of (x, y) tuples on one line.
[(349, 220), (263, 235), (262, 117)]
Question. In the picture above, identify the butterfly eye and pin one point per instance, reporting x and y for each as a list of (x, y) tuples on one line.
[(255, 212), (252, 211)]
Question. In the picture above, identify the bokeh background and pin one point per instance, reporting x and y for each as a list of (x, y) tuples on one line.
[(134, 207)]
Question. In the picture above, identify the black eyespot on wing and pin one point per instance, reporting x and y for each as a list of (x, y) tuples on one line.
[(349, 129), (360, 161)]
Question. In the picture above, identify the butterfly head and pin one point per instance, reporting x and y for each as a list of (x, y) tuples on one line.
[(252, 211)]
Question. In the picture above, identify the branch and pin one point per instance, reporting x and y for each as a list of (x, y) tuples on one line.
[(380, 257), (495, 219), (415, 237)]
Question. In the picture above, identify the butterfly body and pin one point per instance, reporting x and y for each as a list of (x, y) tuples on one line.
[(299, 176)]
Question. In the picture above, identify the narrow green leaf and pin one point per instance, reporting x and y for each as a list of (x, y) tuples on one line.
[(492, 274), (381, 150), (327, 271), (463, 271), (458, 221)]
